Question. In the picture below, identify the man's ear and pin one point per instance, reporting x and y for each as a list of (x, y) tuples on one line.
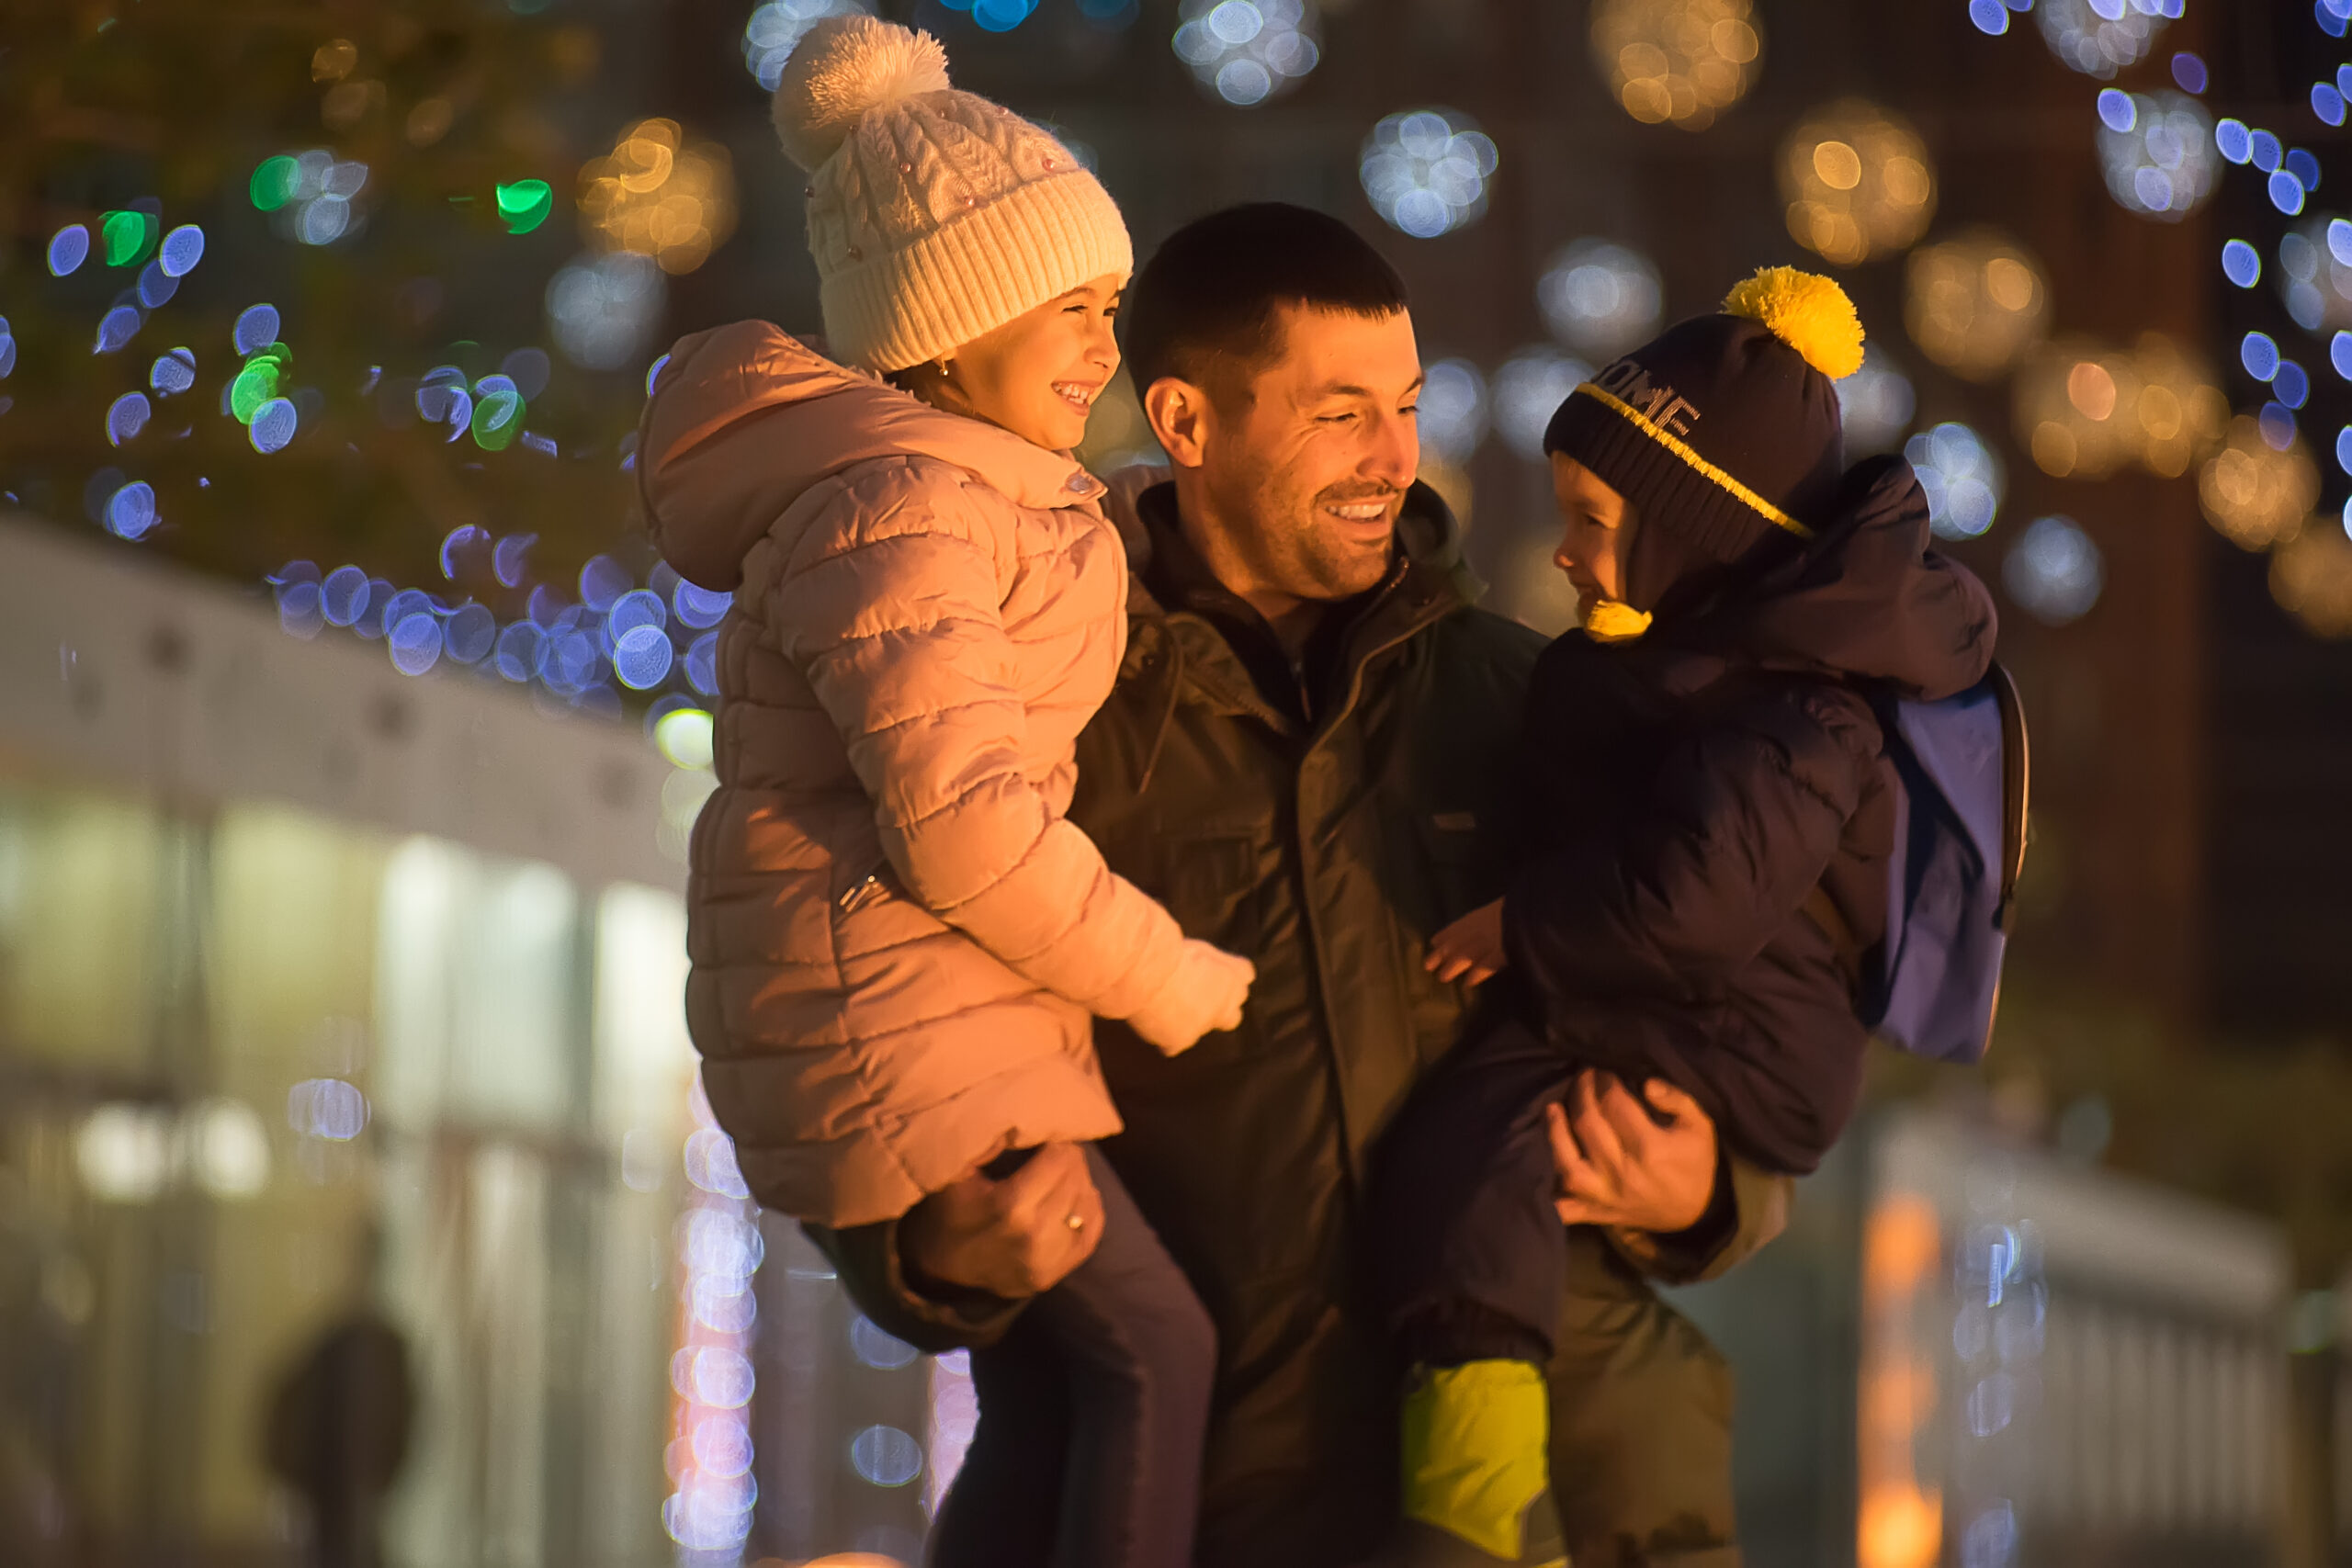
[(1179, 413)]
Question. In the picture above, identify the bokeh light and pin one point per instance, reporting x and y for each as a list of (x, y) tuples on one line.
[(776, 29), (1976, 303), (1452, 411), (2314, 273), (1247, 52), (128, 238), (886, 1456), (68, 249), (2311, 578), (2156, 151), (658, 196), (2084, 411), (2253, 493), (130, 510), (1676, 62), (1528, 391), (1875, 404), (1425, 171), (523, 205), (256, 327), (117, 328), (1858, 182), (310, 193), (2099, 38), (2054, 571), (602, 311), (1961, 476), (1599, 297)]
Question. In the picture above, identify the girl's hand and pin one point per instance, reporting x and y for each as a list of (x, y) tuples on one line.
[(1471, 947)]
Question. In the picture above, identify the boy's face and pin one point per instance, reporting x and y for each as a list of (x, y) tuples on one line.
[(1597, 533)]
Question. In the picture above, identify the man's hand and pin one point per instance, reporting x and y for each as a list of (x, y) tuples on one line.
[(1619, 1167), (1014, 1237), (1471, 946)]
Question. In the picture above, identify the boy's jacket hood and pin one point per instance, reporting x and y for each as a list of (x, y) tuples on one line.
[(1867, 597), (745, 418)]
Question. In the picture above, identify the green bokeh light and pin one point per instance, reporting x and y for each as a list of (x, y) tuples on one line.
[(126, 236), (274, 182), (498, 420), (258, 381), (525, 204)]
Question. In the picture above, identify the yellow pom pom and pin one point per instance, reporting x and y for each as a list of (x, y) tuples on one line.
[(1805, 310)]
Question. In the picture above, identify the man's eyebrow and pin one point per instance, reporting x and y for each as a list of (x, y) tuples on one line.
[(1348, 389)]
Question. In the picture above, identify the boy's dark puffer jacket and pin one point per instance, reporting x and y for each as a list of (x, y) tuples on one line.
[(1689, 789)]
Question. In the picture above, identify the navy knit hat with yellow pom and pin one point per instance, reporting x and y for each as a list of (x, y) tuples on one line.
[(1723, 432)]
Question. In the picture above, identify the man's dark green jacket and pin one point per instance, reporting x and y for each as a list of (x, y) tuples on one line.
[(1323, 816)]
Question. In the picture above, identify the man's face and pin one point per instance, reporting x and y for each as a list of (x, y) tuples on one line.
[(1306, 454)]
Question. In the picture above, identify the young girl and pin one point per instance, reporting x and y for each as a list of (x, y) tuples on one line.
[(897, 938), (1710, 810)]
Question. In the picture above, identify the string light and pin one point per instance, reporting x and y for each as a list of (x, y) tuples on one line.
[(1247, 52), (1425, 171)]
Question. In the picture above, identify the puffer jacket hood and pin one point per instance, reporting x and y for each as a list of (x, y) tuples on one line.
[(746, 418), (1867, 597)]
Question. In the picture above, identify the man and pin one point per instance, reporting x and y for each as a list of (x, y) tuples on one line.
[(1306, 760)]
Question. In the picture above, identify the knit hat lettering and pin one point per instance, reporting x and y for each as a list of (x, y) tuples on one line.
[(1660, 404)]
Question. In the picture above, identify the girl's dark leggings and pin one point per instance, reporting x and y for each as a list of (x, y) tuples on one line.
[(1094, 1410)]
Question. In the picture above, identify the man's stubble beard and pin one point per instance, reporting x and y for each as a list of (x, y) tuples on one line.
[(1291, 547)]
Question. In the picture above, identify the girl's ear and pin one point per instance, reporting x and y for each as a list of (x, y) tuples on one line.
[(1179, 413)]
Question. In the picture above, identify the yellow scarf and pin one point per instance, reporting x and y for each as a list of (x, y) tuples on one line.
[(1611, 620)]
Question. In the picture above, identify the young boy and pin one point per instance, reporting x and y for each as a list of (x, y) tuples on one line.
[(1709, 803)]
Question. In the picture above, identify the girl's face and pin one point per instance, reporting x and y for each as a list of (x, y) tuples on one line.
[(1038, 375), (1598, 532)]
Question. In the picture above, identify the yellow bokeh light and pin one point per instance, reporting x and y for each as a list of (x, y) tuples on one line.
[(659, 196), (2083, 411), (1858, 182), (1676, 61), (2311, 576), (1974, 302), (2257, 495)]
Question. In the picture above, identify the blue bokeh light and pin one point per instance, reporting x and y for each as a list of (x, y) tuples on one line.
[(345, 595), (638, 608), (130, 510), (2231, 140), (602, 580), (1990, 16), (415, 644), (156, 286), (471, 633), (702, 664), (257, 328), (2264, 149), (2286, 193), (181, 250), (2343, 448), (519, 647), (2241, 264), (173, 372), (2291, 386), (273, 424), (509, 558), (653, 373), (127, 417), (2303, 163), (2188, 72), (2276, 423), (2259, 354), (370, 622), (641, 656), (699, 608), (2340, 354), (117, 327), (2327, 103), (68, 249), (2116, 110), (298, 609)]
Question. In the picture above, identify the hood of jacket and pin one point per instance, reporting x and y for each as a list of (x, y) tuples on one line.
[(745, 418), (1867, 597)]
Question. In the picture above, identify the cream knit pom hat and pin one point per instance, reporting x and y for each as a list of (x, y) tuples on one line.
[(935, 216)]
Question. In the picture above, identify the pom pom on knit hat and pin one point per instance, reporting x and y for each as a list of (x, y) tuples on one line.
[(1805, 310), (843, 70)]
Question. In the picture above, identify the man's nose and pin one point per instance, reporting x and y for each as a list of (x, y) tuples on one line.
[(1396, 454)]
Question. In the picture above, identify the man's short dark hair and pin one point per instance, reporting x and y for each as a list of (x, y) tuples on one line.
[(1209, 296)]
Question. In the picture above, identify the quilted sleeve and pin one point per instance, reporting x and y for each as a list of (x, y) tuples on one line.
[(889, 604)]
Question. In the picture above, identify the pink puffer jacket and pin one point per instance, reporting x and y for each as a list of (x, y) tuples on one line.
[(897, 940)]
